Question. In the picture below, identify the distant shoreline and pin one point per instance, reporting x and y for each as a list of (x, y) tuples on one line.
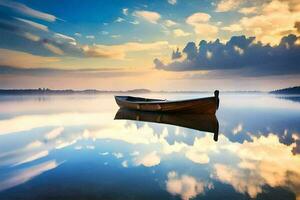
[(46, 91)]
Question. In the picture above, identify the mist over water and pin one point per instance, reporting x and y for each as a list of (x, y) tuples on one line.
[(70, 147)]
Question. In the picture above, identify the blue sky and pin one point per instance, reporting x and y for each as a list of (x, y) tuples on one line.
[(126, 44)]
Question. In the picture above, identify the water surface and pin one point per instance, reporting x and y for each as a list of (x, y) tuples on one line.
[(70, 147)]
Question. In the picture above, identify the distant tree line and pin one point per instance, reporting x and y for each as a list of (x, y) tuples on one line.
[(290, 90)]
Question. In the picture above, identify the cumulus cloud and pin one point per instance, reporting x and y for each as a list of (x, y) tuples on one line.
[(197, 18), (227, 5), (201, 26), (149, 16), (232, 28), (176, 54), (180, 33), (248, 10), (22, 8), (269, 23), (241, 55)]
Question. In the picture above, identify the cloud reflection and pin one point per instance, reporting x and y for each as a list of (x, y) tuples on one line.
[(149, 160), (265, 161), (248, 166), (22, 176), (185, 186)]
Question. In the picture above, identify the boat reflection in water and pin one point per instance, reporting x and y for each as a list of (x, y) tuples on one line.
[(201, 122)]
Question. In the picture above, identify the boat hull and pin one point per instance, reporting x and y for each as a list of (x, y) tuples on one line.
[(201, 106)]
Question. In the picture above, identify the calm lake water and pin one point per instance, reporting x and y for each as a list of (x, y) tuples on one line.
[(70, 147)]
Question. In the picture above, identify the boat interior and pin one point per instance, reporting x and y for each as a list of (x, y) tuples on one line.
[(133, 99)]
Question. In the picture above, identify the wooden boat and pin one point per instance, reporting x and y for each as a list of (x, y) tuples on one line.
[(205, 123), (207, 105)]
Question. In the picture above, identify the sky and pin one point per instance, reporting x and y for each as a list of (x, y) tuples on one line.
[(172, 45)]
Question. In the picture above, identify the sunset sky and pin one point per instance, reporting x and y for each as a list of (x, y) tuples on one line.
[(153, 44)]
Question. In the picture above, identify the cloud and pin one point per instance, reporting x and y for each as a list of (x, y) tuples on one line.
[(293, 4), (120, 19), (241, 56), (104, 32), (248, 10), (54, 49), (237, 129), (125, 11), (22, 8), (78, 34), (103, 51), (201, 26), (169, 23), (125, 163), (206, 30), (197, 18), (172, 2), (272, 21), (227, 5), (90, 37), (233, 28), (32, 37), (34, 24), (176, 54), (115, 36), (120, 51), (66, 38), (54, 72), (180, 33), (149, 16), (8, 58), (135, 22)]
